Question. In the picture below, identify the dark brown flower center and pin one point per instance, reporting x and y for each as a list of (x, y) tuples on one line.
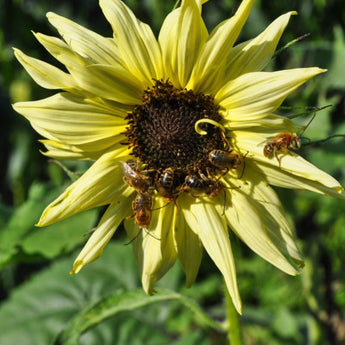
[(161, 130)]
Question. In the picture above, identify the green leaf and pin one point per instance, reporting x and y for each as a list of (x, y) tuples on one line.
[(105, 299), (20, 237), (61, 237), (124, 301), (38, 310), (22, 221), (335, 76), (5, 213)]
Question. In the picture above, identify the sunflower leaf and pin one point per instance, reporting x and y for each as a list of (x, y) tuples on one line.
[(21, 222), (119, 302), (19, 237), (39, 309), (55, 305)]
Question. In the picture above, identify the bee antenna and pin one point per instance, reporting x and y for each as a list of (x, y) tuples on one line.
[(315, 110), (224, 203)]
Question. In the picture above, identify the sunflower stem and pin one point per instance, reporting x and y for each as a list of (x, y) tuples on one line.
[(233, 321)]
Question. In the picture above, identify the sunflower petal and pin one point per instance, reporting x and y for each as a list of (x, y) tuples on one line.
[(208, 72), (58, 150), (189, 249), (245, 217), (110, 82), (44, 74), (61, 51), (101, 184), (86, 43), (135, 40), (113, 82), (154, 247), (255, 54), (100, 237), (73, 120), (313, 179), (293, 172), (254, 95), (179, 55), (211, 228)]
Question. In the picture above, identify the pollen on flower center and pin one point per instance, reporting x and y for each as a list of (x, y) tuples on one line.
[(162, 132)]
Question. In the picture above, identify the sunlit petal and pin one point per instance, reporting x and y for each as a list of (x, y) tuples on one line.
[(211, 228), (208, 72), (179, 56), (255, 54), (99, 185), (135, 40), (253, 95), (102, 234), (154, 247)]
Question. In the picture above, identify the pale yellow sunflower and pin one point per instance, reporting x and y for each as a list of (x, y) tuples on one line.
[(176, 127)]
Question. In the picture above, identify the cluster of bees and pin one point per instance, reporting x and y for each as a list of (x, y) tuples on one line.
[(170, 183)]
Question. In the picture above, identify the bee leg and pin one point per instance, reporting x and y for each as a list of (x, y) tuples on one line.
[(276, 155), (150, 234), (224, 203), (202, 175), (130, 217), (244, 165), (134, 238)]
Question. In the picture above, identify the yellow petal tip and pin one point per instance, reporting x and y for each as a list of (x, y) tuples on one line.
[(77, 266)]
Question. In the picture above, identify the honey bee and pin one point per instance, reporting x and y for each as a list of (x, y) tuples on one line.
[(133, 177), (286, 141), (281, 143), (198, 186), (142, 205), (225, 159), (165, 185)]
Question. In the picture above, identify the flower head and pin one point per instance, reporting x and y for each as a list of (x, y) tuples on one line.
[(183, 136)]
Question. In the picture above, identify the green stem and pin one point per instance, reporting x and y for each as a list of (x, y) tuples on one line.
[(233, 321)]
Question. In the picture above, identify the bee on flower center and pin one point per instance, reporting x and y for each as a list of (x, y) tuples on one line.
[(197, 186), (165, 185), (225, 159), (133, 177)]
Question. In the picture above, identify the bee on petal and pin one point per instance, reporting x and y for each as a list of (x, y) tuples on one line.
[(142, 206), (281, 143)]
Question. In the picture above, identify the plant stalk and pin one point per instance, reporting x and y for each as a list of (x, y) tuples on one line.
[(233, 321)]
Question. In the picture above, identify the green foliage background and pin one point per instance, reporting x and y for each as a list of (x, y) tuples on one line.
[(42, 304)]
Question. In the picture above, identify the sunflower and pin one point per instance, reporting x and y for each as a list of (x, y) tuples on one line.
[(177, 128)]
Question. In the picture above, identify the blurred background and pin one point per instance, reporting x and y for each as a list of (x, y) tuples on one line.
[(38, 297)]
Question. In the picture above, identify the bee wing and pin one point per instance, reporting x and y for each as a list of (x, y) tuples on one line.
[(127, 170), (264, 141)]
